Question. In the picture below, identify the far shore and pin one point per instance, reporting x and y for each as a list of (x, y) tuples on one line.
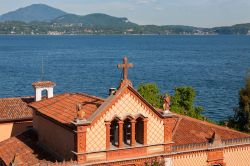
[(126, 35)]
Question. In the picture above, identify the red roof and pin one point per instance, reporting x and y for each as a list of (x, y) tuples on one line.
[(27, 151), (43, 84), (15, 108), (24, 149), (62, 108), (189, 131)]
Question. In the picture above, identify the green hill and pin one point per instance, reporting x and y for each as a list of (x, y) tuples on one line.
[(43, 19), (95, 20), (35, 12), (235, 29)]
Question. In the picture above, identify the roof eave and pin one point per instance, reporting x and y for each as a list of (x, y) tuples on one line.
[(16, 120)]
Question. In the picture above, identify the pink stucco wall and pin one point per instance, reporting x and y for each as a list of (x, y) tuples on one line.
[(55, 137)]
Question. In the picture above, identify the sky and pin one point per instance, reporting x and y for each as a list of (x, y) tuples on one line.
[(201, 13)]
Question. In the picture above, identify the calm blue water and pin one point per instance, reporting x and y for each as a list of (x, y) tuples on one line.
[(214, 65)]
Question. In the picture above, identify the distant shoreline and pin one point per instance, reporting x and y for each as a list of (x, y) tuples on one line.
[(59, 22), (126, 35)]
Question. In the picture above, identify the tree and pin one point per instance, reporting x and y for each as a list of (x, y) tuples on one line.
[(241, 118), (151, 93), (183, 102)]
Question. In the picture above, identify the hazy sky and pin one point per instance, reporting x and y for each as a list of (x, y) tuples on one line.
[(203, 13)]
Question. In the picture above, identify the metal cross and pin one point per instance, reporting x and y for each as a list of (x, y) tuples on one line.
[(125, 66)]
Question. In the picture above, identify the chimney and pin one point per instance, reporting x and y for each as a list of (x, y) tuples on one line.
[(112, 91), (43, 86)]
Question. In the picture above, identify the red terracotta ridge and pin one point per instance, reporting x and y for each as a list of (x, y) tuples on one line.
[(18, 97), (48, 99), (177, 124), (66, 97)]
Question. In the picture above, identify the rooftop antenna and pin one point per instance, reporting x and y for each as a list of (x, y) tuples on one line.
[(42, 71)]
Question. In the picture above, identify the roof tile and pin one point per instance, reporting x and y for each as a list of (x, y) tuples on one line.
[(26, 148), (62, 108), (15, 108), (189, 130)]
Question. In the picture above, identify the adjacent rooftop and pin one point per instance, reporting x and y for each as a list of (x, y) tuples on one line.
[(14, 109), (62, 108)]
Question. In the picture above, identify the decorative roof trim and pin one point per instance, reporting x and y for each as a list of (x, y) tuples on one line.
[(112, 99), (43, 84)]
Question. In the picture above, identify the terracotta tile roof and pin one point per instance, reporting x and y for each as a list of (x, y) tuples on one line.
[(62, 108), (43, 83), (25, 150), (15, 108), (189, 130)]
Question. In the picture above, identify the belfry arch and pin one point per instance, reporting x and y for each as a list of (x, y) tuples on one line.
[(114, 132), (139, 130), (127, 132), (130, 131)]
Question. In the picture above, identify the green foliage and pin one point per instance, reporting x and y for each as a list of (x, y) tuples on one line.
[(95, 20), (235, 29), (151, 93), (183, 102), (241, 118)]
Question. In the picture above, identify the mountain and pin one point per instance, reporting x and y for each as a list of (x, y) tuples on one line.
[(235, 29), (95, 20), (35, 12), (43, 19)]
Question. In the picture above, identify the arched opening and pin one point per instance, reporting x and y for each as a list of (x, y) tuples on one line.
[(139, 131), (114, 133), (44, 94), (127, 132)]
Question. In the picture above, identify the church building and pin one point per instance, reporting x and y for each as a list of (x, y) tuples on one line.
[(123, 129)]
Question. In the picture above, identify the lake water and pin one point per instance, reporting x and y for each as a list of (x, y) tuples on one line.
[(214, 65)]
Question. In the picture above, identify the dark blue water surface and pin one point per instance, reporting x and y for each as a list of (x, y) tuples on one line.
[(214, 65)]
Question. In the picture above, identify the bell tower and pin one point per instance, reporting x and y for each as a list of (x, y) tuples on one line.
[(43, 86)]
